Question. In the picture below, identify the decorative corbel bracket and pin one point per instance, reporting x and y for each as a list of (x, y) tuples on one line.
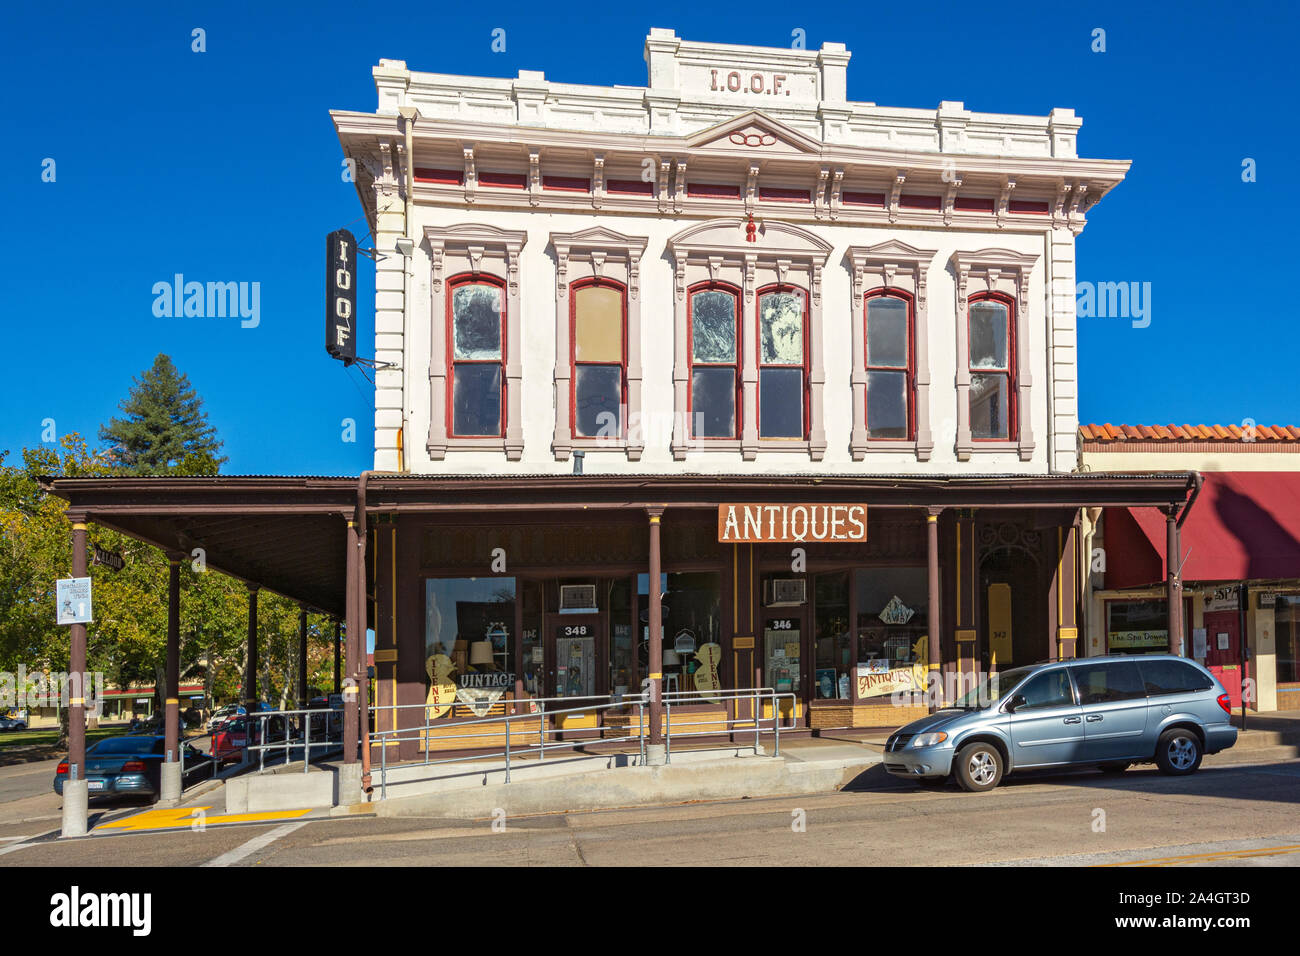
[(896, 190), (665, 167), (751, 189), (1004, 199), (679, 188), (836, 183), (819, 193), (471, 176), (950, 199), (598, 181), (534, 177)]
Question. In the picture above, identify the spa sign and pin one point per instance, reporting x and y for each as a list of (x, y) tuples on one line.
[(758, 523)]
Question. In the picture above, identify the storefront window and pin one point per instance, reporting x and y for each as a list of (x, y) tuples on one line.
[(1287, 617), (892, 614), (620, 636), (471, 621), (831, 631), (532, 649), (692, 617), (1137, 627)]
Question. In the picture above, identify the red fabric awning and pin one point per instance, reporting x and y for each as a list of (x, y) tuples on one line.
[(1244, 526)]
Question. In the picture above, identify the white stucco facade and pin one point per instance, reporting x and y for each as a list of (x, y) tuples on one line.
[(943, 204)]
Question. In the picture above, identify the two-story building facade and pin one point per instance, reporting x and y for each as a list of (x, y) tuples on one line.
[(607, 316)]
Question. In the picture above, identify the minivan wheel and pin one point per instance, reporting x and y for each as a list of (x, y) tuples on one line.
[(1179, 751), (979, 767)]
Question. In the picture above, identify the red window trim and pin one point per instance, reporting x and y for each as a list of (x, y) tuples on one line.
[(448, 177), (499, 180), (568, 184), (633, 187), (1013, 391), (712, 191), (853, 198), (1030, 207), (760, 365), (783, 194), (918, 201), (910, 387), (455, 282), (691, 363), (574, 288)]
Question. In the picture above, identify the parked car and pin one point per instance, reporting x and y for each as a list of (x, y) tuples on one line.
[(132, 765), (221, 716), (12, 723), (1108, 712), (231, 739), (328, 723)]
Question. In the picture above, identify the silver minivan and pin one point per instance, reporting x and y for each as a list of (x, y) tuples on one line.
[(1108, 712)]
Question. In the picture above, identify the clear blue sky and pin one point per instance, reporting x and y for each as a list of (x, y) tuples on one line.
[(224, 166)]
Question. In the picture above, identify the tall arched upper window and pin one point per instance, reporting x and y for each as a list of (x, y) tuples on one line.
[(714, 354), (476, 346), (992, 367), (782, 362), (890, 365), (598, 337)]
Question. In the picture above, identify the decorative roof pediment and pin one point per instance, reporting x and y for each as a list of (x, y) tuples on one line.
[(754, 130), (771, 239), (599, 238), (891, 250)]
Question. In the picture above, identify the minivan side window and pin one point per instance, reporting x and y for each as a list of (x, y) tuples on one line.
[(1109, 682), (1046, 690), (1172, 677)]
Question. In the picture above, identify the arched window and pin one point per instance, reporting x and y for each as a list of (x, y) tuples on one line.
[(890, 365), (598, 337), (476, 347), (782, 362), (991, 336), (715, 373)]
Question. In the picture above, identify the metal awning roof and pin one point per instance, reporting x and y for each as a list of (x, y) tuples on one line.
[(288, 533)]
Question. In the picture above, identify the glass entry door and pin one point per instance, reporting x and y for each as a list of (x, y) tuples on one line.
[(574, 671), (783, 666)]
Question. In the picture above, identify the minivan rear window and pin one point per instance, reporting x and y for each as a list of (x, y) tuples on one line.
[(1173, 677), (1108, 682)]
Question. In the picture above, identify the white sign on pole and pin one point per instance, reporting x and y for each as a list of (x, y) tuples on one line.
[(72, 601)]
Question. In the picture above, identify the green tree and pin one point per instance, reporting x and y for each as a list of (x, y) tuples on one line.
[(165, 429)]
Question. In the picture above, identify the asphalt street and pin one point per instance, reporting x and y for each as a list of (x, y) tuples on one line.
[(1240, 809)]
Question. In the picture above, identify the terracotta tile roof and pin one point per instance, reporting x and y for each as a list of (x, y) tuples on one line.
[(1193, 433)]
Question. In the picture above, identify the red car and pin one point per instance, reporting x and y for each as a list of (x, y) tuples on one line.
[(231, 739)]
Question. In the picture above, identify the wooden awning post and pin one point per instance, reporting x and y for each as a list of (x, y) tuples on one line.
[(935, 696), (1173, 582), (351, 719), (171, 785), (250, 676), (655, 753), (76, 792), (302, 656)]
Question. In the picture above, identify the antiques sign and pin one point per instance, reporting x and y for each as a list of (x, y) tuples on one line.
[(873, 682), (758, 523), (479, 690)]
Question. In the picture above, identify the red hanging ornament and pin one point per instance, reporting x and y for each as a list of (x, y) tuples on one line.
[(751, 229)]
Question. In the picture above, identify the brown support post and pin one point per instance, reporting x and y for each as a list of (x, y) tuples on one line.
[(302, 657), (1174, 583), (932, 556), (250, 678), (351, 689), (170, 774), (338, 654), (656, 663), (75, 788)]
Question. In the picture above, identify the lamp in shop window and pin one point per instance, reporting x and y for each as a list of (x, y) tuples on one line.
[(480, 652)]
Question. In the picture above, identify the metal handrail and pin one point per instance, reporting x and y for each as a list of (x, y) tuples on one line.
[(537, 711)]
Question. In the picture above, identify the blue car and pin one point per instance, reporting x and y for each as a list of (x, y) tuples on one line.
[(1108, 712), (132, 766)]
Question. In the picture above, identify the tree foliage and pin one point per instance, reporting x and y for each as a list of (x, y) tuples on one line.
[(166, 432)]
